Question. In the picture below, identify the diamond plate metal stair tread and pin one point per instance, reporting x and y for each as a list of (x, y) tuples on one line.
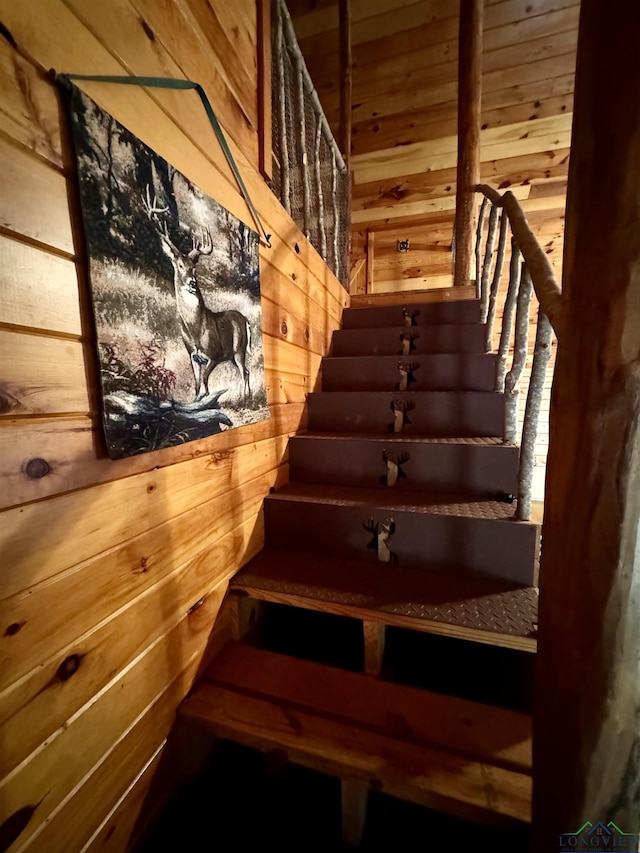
[(461, 506), (459, 312), (429, 372), (437, 338), (489, 441), (475, 608)]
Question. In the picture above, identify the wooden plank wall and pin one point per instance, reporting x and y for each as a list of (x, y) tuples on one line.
[(113, 573)]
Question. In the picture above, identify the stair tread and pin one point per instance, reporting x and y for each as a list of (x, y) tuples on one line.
[(376, 743), (471, 607), (467, 506), (425, 309), (492, 441), (500, 736)]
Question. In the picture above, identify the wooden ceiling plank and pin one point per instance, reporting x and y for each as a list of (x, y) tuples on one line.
[(409, 128), (424, 95), (524, 138), (392, 57), (513, 170), (422, 15), (399, 75)]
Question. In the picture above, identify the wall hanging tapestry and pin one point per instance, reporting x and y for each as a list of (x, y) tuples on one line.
[(175, 287)]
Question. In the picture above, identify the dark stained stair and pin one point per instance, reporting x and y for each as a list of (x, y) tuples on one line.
[(400, 504)]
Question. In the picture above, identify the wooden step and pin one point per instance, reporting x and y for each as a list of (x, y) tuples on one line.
[(477, 609), (426, 413), (446, 753), (416, 314), (443, 372), (475, 466), (461, 338), (414, 297), (435, 533)]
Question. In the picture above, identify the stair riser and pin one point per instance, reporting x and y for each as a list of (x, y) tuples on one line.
[(392, 315), (444, 413), (502, 549), (434, 373), (453, 468), (430, 339)]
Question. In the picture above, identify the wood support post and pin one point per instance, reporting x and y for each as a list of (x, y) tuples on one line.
[(346, 81), (374, 639), (246, 616), (469, 93), (354, 810), (370, 250), (586, 732), (264, 89)]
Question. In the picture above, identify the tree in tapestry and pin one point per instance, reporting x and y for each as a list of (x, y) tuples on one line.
[(176, 294)]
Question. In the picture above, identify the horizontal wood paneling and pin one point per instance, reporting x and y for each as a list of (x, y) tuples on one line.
[(106, 561)]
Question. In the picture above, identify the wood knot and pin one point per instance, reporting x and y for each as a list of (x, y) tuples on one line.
[(68, 667), (197, 605), (151, 487), (147, 30), (306, 334), (297, 248), (37, 468), (284, 328), (13, 629), (142, 566)]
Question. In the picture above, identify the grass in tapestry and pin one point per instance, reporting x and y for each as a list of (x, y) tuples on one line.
[(176, 295)]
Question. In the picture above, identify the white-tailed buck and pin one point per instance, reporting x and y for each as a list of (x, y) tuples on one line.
[(211, 337)]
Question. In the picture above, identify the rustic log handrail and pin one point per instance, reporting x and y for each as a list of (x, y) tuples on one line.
[(545, 285), (529, 270)]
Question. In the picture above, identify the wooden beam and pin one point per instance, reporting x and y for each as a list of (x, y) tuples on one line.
[(355, 795), (346, 81), (370, 260), (264, 89), (587, 741), (374, 634), (469, 93)]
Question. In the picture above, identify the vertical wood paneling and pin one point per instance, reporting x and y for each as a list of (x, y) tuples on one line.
[(115, 570)]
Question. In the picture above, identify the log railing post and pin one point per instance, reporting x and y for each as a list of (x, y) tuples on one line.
[(346, 82), (586, 741), (469, 93)]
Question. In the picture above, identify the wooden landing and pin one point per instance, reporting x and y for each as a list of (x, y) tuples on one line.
[(446, 753), (407, 297), (479, 609)]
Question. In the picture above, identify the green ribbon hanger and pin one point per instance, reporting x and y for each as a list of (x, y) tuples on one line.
[(172, 83)]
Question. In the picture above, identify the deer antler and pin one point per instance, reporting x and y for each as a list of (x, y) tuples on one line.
[(404, 457), (150, 203), (407, 405), (370, 525), (412, 366), (202, 245), (153, 211)]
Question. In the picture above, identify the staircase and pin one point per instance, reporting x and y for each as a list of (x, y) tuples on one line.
[(399, 513)]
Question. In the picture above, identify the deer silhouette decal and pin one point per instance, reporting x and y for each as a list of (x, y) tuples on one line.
[(410, 319), (210, 337), (394, 467), (406, 371), (407, 340), (382, 532), (400, 418)]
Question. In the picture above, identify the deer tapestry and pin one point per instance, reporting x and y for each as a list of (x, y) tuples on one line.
[(176, 294)]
